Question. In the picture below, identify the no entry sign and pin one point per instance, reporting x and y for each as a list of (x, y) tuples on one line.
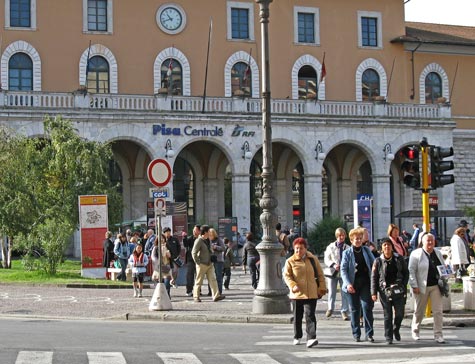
[(159, 172)]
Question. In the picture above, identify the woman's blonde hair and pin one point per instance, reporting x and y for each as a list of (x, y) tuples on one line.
[(339, 231), (212, 234), (356, 231), (391, 228)]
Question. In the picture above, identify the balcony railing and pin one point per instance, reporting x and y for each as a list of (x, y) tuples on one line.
[(77, 100)]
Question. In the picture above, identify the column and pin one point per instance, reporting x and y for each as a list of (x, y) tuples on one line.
[(381, 205), (241, 200), (211, 210), (313, 198), (346, 197)]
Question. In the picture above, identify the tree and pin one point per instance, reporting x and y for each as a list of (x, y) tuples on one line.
[(41, 182), (323, 232)]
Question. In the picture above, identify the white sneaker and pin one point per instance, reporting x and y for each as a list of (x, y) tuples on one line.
[(440, 340), (311, 343), (135, 294), (416, 336), (296, 341)]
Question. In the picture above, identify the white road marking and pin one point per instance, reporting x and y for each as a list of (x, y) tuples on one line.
[(178, 358), (254, 358), (37, 357), (106, 358)]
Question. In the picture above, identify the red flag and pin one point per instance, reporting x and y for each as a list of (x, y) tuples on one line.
[(323, 72), (169, 71)]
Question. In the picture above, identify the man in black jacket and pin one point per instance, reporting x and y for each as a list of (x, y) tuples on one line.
[(188, 242), (174, 247)]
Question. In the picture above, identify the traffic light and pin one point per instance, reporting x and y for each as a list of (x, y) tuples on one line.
[(438, 166), (410, 167)]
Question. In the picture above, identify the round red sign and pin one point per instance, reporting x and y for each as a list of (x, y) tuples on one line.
[(159, 172)]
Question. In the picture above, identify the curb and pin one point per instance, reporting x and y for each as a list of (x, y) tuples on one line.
[(218, 318)]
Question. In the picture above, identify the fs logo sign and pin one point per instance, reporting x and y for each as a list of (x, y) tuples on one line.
[(239, 131)]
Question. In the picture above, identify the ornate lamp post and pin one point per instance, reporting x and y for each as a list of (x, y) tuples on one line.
[(270, 297)]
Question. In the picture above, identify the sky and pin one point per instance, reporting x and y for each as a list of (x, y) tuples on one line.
[(455, 12)]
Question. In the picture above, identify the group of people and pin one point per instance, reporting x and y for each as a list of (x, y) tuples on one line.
[(364, 276)]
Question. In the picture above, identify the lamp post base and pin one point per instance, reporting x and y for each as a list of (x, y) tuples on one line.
[(268, 305)]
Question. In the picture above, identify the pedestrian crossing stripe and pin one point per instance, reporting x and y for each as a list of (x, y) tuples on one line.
[(37, 357), (254, 358), (370, 349), (178, 358), (106, 358), (464, 358)]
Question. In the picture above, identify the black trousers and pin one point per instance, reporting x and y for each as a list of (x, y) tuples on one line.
[(308, 307), (190, 276), (397, 306)]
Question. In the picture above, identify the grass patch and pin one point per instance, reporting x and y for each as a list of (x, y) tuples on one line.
[(68, 273)]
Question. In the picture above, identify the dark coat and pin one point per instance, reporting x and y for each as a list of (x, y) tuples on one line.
[(108, 249)]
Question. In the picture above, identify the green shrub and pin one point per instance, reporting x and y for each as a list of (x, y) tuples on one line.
[(323, 233)]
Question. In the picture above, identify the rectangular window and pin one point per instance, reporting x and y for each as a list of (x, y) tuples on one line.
[(20, 13), (369, 32), (97, 15), (240, 23), (306, 27)]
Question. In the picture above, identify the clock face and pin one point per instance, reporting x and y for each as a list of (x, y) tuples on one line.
[(171, 18)]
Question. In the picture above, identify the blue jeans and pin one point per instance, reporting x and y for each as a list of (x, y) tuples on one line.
[(122, 276), (361, 301), (332, 284), (218, 269), (167, 283)]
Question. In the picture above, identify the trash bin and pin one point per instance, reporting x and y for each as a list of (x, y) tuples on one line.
[(468, 293)]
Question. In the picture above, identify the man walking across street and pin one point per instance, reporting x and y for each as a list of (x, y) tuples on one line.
[(204, 267), (188, 243)]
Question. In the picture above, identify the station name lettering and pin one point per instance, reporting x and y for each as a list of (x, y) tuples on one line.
[(162, 129)]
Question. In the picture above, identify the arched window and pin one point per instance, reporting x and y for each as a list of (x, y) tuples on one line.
[(433, 86), (241, 80), (20, 72), (172, 76), (370, 85), (307, 83), (97, 71)]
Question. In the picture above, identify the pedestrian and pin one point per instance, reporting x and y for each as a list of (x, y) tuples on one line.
[(424, 281), (332, 258), (355, 268), (121, 250), (369, 244), (228, 262), (173, 245), (108, 253), (389, 278), (460, 254), (400, 246), (204, 267), (217, 249), (166, 267), (414, 242), (138, 261), (284, 241), (188, 243), (304, 277), (250, 258), (149, 238)]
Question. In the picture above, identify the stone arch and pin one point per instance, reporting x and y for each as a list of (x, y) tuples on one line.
[(433, 67), (245, 57), (307, 60), (22, 46), (383, 80), (178, 55), (100, 50)]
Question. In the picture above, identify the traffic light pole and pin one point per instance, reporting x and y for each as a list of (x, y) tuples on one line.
[(425, 187)]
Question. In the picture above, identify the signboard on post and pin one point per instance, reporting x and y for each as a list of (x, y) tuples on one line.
[(93, 223)]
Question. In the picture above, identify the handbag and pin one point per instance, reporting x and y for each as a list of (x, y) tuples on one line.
[(443, 287), (178, 261), (214, 258), (395, 292), (330, 272)]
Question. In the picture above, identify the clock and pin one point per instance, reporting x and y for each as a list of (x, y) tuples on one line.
[(171, 18)]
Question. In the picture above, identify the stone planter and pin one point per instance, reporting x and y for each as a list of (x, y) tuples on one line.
[(469, 293)]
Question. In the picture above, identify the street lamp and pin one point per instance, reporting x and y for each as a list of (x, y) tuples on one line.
[(319, 154), (169, 152), (246, 152), (270, 296), (388, 155)]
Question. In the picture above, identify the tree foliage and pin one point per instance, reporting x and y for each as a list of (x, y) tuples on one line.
[(323, 232), (40, 183)]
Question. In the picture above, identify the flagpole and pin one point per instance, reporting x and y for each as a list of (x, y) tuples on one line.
[(1, 48), (170, 71), (390, 78), (453, 83), (322, 76), (207, 61)]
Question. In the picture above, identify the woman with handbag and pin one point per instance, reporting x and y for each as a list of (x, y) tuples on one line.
[(217, 249), (389, 278), (138, 261), (332, 259), (460, 253), (166, 260), (304, 277)]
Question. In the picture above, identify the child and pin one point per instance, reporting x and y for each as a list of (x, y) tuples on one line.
[(138, 261), (228, 261)]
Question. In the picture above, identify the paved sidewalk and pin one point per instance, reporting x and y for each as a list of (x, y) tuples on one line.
[(76, 302)]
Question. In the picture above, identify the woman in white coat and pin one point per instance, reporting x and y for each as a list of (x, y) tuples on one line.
[(459, 251)]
